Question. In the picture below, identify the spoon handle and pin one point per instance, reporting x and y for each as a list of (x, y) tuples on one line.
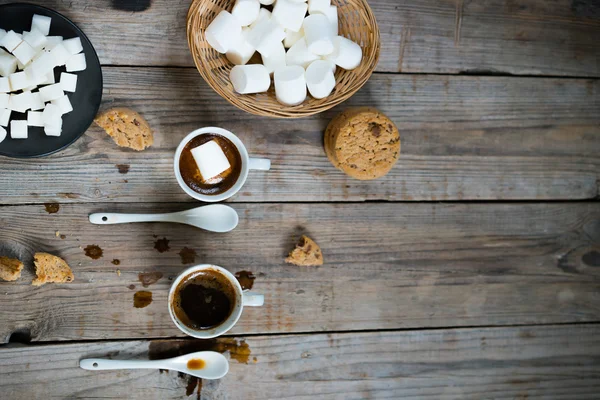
[(114, 218), (93, 364)]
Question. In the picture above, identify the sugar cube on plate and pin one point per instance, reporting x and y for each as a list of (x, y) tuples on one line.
[(2, 34), (2, 134), (41, 23), (73, 45), (5, 116), (4, 85), (68, 82), (52, 116), (21, 102), (36, 102), (18, 129), (51, 92), (76, 63), (52, 131), (35, 39), (24, 53), (8, 63), (52, 41), (35, 118), (211, 160), (19, 81), (42, 65), (4, 100), (64, 104), (61, 55), (11, 41)]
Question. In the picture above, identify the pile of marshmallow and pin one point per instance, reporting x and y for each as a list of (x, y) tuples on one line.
[(35, 55), (314, 47)]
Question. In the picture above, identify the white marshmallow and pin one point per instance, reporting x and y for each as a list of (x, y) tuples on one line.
[(8, 64), (242, 52), (346, 54), (4, 85), (4, 98), (318, 6), (34, 118), (52, 131), (318, 34), (298, 54), (61, 55), (290, 85), (41, 23), (332, 15), (292, 37), (42, 65), (51, 92), (24, 53), (246, 11), (19, 80), (267, 2), (11, 41), (18, 129), (265, 36), (21, 102), (290, 14), (73, 45), (276, 59), (68, 82), (253, 78), (64, 104), (263, 13), (210, 159), (223, 32), (36, 102), (320, 79), (52, 116), (35, 39), (5, 116), (2, 133), (76, 63), (52, 41)]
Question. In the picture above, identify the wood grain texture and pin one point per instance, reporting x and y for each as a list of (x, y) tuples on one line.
[(387, 266), (561, 37), (545, 362), (463, 138)]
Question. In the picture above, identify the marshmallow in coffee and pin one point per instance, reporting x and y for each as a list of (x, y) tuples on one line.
[(211, 160)]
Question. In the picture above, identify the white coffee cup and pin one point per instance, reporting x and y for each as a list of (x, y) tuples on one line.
[(242, 298), (248, 163)]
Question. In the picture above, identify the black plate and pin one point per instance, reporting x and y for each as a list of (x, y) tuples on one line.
[(85, 100)]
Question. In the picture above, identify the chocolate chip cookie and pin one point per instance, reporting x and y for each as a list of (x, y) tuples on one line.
[(126, 127)]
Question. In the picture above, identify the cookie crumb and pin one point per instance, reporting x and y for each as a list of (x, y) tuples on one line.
[(126, 127), (307, 253), (10, 269)]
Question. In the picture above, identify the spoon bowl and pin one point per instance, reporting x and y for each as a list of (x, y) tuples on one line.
[(201, 364)]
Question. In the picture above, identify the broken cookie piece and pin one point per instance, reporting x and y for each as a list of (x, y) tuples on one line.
[(10, 269), (51, 269), (126, 127), (307, 253)]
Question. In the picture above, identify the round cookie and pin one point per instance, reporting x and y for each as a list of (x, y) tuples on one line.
[(126, 127), (363, 143)]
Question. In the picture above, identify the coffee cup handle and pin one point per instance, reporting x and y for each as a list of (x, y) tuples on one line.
[(251, 299), (259, 164)]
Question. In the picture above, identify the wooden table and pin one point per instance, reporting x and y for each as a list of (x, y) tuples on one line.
[(471, 271)]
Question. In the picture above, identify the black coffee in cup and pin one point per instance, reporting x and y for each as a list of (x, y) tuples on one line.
[(215, 185), (203, 300)]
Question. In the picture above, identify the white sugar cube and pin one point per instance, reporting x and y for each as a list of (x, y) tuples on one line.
[(41, 23), (265, 36), (276, 59), (19, 81), (5, 116), (73, 45), (36, 102), (48, 79), (4, 98), (4, 85), (64, 104), (223, 32), (51, 92), (290, 14), (11, 41), (35, 39), (42, 65), (318, 6), (68, 82), (211, 160), (292, 37), (252, 78), (8, 64), (2, 34), (318, 34), (52, 131), (61, 55), (2, 133), (76, 63), (21, 102), (24, 53), (18, 129), (52, 116), (290, 85), (242, 51), (52, 41), (35, 118), (246, 11), (298, 54)]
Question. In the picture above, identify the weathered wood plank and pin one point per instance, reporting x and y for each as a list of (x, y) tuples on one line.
[(387, 266), (462, 138), (450, 36), (549, 362)]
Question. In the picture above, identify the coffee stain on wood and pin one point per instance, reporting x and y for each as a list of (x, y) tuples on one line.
[(142, 299), (123, 168), (238, 350), (149, 278), (162, 245), (246, 279), (93, 251), (116, 261), (188, 256), (52, 208)]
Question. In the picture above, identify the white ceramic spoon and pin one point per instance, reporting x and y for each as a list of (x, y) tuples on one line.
[(214, 217), (214, 365)]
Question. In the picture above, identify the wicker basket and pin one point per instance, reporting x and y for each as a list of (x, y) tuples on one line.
[(356, 22)]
